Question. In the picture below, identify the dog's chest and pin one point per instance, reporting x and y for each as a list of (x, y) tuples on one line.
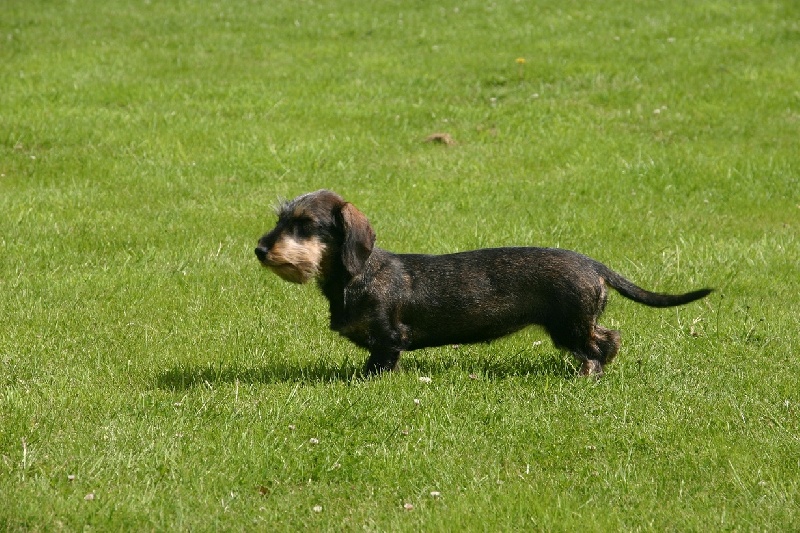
[(369, 322)]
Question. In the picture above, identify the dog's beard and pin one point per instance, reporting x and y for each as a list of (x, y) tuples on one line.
[(295, 261), (292, 274)]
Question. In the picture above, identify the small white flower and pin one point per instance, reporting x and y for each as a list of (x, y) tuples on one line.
[(317, 508), (416, 401), (435, 494), (425, 379), (312, 440)]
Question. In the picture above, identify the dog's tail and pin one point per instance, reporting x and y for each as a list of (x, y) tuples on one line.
[(654, 299)]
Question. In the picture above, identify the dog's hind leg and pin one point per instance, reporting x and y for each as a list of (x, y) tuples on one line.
[(575, 329), (598, 351), (607, 342), (592, 345), (382, 361)]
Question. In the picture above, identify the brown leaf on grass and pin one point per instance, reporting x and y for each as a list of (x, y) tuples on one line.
[(440, 138)]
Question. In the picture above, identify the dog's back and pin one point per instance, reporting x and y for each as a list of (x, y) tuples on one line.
[(479, 295)]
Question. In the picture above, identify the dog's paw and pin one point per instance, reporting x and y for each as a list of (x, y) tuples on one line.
[(591, 367)]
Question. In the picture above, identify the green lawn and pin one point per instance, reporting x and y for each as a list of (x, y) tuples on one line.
[(154, 377)]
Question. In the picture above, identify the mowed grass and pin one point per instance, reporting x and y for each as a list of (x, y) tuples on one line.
[(155, 378)]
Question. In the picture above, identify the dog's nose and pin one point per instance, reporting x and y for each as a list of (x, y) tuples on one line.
[(261, 253)]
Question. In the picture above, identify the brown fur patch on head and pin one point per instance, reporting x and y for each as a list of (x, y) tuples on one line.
[(313, 204), (294, 260)]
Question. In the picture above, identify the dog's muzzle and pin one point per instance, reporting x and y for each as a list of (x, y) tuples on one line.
[(261, 253)]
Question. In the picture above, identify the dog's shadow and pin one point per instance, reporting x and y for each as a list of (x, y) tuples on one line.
[(186, 377), (515, 365)]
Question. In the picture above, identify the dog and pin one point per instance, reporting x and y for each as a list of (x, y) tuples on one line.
[(391, 303)]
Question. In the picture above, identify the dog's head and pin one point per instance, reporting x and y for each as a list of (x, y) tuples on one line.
[(316, 233)]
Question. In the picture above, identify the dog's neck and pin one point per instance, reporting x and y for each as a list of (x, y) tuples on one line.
[(333, 282), (334, 292)]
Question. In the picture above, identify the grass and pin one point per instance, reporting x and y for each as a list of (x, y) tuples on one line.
[(153, 377)]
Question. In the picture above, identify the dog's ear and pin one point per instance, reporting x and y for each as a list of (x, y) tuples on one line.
[(359, 239)]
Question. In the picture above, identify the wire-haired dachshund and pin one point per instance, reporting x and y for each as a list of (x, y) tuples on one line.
[(390, 303)]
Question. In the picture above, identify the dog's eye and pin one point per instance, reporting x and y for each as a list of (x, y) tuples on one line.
[(304, 228)]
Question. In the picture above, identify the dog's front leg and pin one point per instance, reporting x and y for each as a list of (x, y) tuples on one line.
[(381, 360)]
